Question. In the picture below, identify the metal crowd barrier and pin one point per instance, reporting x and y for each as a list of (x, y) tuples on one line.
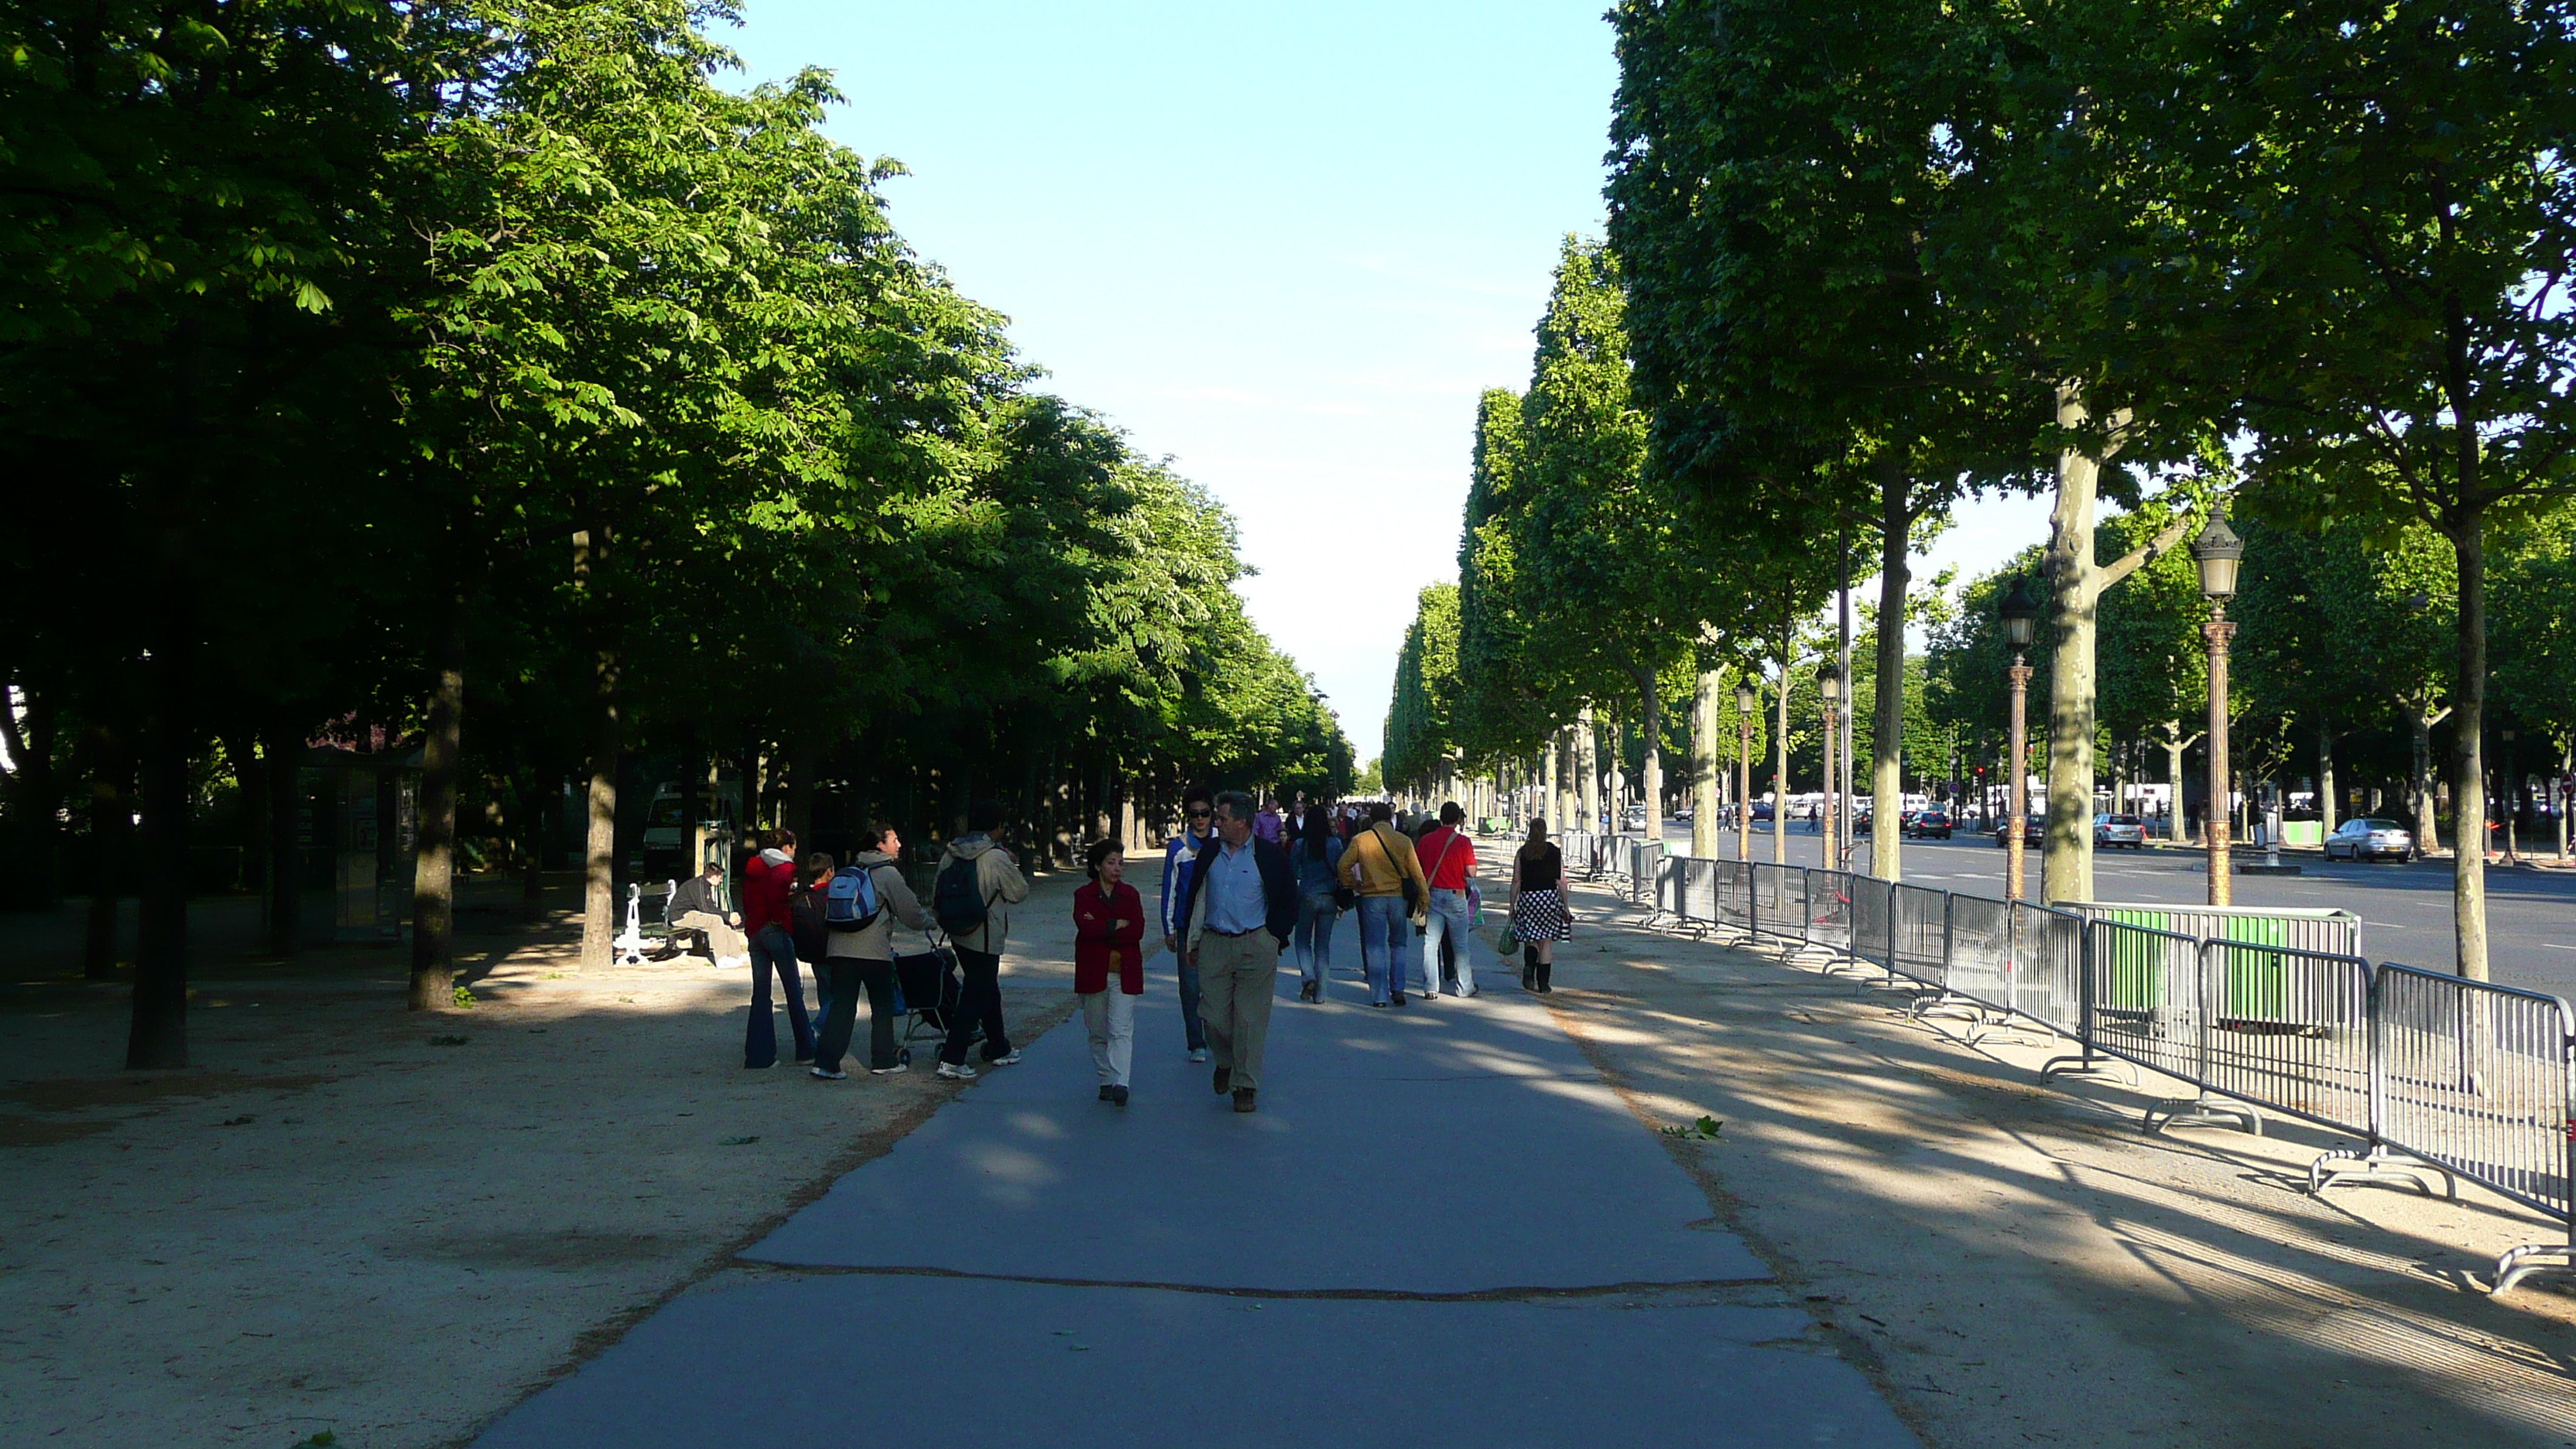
[(2435, 1074)]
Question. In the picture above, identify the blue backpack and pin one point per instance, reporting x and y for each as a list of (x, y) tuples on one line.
[(850, 901)]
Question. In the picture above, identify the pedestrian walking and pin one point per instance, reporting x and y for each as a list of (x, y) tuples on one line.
[(1236, 918), (1449, 866), (1268, 825), (977, 885), (1539, 916), (1109, 965), (1318, 857), (696, 905), (1379, 867), (766, 880), (861, 906), (1180, 860)]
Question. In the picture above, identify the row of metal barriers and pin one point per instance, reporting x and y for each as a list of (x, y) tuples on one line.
[(2435, 1076)]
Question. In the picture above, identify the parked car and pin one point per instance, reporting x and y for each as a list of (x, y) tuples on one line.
[(1860, 822), (1761, 811), (2111, 830), (2034, 832), (2369, 840), (1928, 824)]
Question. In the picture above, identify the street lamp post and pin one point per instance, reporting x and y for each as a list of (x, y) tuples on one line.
[(2021, 623), (1747, 700), (2512, 798), (1829, 685), (2218, 552)]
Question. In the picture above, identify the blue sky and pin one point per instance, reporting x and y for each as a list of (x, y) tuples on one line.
[(1285, 246)]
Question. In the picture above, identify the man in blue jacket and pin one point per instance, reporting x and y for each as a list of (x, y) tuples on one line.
[(1236, 916), (1179, 861)]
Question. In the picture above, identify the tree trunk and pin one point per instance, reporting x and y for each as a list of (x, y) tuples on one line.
[(1587, 754), (2174, 744), (111, 849), (2067, 864), (2469, 789), (1780, 763), (804, 760), (1650, 695), (158, 1037), (1887, 720), (599, 854), (1551, 803), (2326, 801), (433, 890), (1703, 764), (2420, 719)]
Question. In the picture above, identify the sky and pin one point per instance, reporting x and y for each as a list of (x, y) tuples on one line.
[(1285, 247)]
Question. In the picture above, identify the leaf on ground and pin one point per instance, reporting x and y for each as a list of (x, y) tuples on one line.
[(738, 1141)]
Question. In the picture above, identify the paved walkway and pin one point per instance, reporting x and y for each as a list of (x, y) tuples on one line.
[(1440, 1229)]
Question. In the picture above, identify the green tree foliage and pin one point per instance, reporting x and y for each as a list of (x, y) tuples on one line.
[(1420, 733), (495, 377)]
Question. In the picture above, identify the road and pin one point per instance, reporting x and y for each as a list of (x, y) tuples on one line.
[(2405, 909)]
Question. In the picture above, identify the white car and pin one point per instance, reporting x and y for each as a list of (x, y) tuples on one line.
[(2111, 830), (2369, 840)]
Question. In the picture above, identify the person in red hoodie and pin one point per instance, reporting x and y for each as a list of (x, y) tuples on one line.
[(1109, 965), (767, 880)]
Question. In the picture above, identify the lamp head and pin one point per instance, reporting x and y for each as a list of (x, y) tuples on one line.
[(2219, 552), (1747, 699), (2020, 610), (1829, 683)]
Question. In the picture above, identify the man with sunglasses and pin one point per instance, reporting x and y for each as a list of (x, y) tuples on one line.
[(1180, 858)]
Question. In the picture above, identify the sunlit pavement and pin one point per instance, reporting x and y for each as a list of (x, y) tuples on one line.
[(2405, 908), (1440, 1228)]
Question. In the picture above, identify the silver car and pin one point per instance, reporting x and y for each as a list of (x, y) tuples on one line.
[(2111, 830), (2370, 840)]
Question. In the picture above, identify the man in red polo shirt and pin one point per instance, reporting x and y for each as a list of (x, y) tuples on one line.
[(766, 881), (1448, 863)]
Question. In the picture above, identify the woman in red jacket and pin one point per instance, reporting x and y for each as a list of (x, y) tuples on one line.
[(1108, 940)]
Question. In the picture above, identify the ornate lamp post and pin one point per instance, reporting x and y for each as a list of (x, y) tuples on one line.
[(2020, 610), (1747, 700), (2512, 797), (2218, 552), (1829, 685)]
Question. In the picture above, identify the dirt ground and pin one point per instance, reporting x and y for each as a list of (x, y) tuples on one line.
[(2023, 1264), (351, 1218)]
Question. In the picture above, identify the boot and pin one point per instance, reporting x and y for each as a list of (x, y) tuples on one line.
[(1529, 968), (1545, 968)]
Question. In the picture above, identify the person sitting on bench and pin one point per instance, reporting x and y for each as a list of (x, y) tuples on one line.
[(693, 908)]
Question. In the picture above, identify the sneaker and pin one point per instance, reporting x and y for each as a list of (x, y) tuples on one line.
[(1010, 1058), (1471, 991), (1198, 1054), (1118, 1095), (1377, 1003), (829, 1076), (956, 1072), (1105, 1092), (889, 1071)]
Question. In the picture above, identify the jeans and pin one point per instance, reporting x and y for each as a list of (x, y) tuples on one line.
[(1384, 943), (1448, 917), (774, 948), (1316, 914), (846, 976), (979, 1000), (1191, 1025)]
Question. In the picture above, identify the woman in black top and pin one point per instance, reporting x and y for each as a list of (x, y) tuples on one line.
[(1539, 916)]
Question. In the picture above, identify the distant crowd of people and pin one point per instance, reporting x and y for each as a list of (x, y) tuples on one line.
[(1244, 886)]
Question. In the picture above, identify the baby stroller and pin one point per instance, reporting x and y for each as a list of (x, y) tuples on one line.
[(928, 985)]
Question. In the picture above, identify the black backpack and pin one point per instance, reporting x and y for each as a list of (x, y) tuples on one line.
[(957, 896)]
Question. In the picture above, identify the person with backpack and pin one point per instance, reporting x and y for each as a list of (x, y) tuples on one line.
[(1109, 965), (860, 906), (972, 896), (1236, 919), (805, 924), (1179, 859), (766, 880), (1380, 867), (1449, 869)]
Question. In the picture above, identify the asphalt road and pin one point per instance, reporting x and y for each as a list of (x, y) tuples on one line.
[(2405, 909)]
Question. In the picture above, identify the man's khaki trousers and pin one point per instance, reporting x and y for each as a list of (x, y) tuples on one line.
[(1235, 984)]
